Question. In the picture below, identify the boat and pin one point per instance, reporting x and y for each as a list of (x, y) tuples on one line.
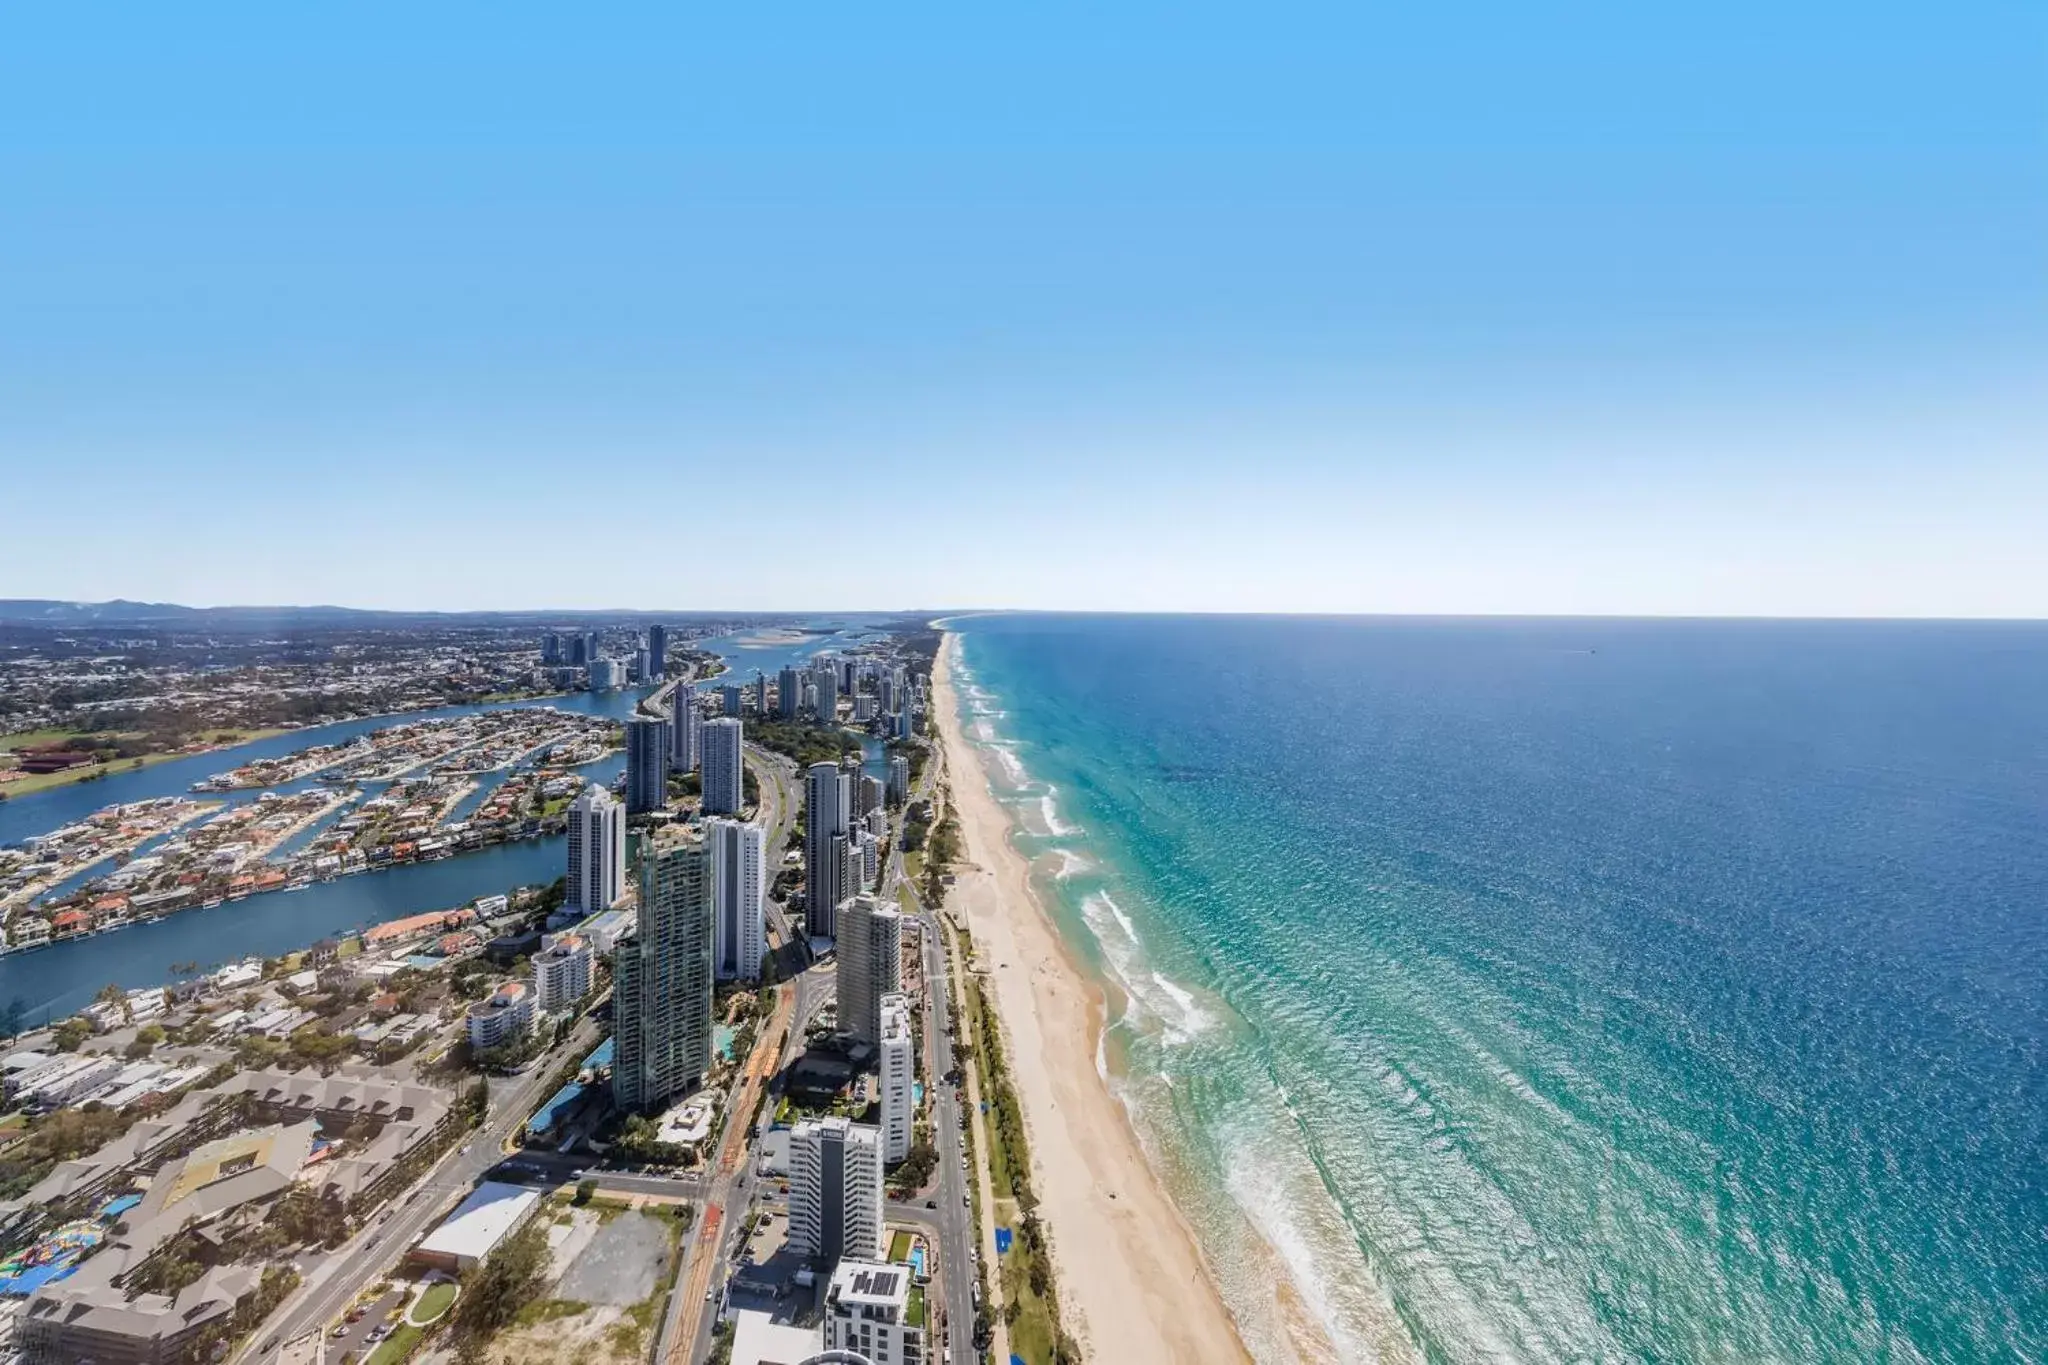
[(208, 905)]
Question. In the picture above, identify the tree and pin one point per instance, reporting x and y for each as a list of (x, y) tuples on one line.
[(69, 1035), (584, 1190), (494, 1292)]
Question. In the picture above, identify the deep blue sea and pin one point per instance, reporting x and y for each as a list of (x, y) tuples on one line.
[(1581, 990)]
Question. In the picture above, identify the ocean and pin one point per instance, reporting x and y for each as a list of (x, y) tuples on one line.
[(1575, 990)]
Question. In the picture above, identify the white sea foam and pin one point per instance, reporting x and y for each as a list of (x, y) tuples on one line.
[(1053, 824), (1257, 1183), (1180, 1016), (984, 730), (1070, 863), (1012, 766)]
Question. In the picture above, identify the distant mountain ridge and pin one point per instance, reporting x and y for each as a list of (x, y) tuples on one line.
[(29, 611)]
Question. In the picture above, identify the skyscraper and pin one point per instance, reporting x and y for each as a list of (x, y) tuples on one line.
[(869, 845), (686, 733), (581, 650), (789, 693), (550, 649), (899, 780), (825, 820), (826, 679), (597, 850), (647, 750), (661, 976), (899, 1109), (738, 855), (835, 1190), (870, 965), (657, 650), (732, 700), (870, 795), (723, 786)]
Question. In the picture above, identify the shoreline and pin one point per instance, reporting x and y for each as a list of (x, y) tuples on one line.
[(1133, 1282)]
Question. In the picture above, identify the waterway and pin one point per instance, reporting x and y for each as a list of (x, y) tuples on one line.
[(62, 978)]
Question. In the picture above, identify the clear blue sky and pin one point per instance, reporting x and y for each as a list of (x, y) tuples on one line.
[(1738, 307)]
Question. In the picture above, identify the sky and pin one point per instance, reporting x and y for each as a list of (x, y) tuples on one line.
[(1481, 307)]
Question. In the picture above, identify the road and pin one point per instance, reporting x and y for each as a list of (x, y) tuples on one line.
[(362, 1260), (951, 1218)]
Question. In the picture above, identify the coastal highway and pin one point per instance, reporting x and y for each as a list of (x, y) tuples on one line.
[(391, 1231), (951, 1218)]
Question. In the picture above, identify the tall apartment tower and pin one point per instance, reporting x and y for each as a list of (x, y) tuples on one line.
[(835, 1190), (657, 650), (898, 790), (732, 700), (789, 692), (724, 788), (870, 965), (825, 820), (661, 977), (826, 679), (647, 749), (686, 732), (597, 850), (738, 855), (899, 1107)]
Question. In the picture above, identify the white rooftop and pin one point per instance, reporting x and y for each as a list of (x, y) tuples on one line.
[(481, 1221), (758, 1339)]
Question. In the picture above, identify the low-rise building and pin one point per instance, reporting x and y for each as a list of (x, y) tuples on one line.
[(561, 971), (506, 1015), (874, 1309), (490, 1214)]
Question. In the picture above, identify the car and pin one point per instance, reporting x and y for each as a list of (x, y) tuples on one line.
[(340, 1331), (931, 1203)]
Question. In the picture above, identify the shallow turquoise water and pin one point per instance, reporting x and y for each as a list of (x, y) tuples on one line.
[(1566, 990)]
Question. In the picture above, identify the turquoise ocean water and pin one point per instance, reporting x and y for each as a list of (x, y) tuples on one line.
[(1564, 990)]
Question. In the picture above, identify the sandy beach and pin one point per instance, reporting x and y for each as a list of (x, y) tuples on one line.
[(1133, 1286)]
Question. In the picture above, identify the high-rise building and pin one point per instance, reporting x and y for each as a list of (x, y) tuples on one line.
[(639, 670), (868, 1315), (877, 823), (738, 858), (589, 646), (825, 825), (550, 649), (582, 649), (835, 1190), (504, 1016), (789, 693), (724, 787), (898, 790), (760, 693), (647, 750), (870, 964), (686, 734), (885, 690), (899, 1095), (869, 845), (597, 850), (732, 700), (561, 971), (657, 650), (607, 675), (661, 976), (826, 680), (871, 794)]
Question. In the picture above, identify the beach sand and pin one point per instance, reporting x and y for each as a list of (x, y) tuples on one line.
[(1133, 1287)]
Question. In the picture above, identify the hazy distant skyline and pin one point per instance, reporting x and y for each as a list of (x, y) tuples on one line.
[(1596, 310)]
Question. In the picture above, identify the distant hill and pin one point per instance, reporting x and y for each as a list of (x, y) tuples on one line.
[(160, 615)]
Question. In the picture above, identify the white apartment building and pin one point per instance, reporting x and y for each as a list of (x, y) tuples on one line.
[(738, 855), (899, 1078), (506, 1015), (561, 971), (835, 1190), (597, 850), (874, 1310)]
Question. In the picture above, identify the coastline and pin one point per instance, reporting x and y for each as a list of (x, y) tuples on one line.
[(1132, 1280)]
